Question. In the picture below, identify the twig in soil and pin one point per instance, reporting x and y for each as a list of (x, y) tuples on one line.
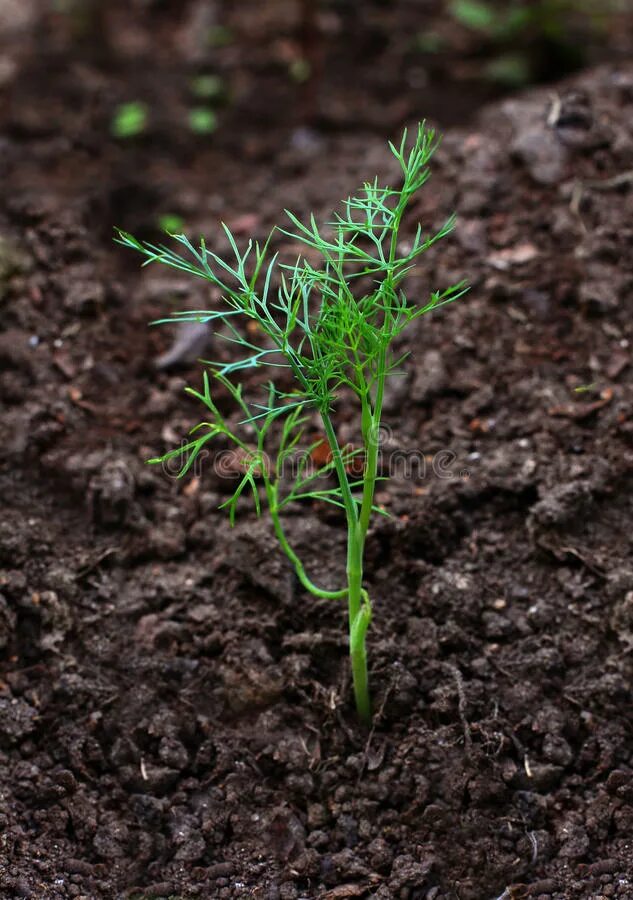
[(527, 766), (534, 842), (608, 184), (313, 755), (461, 704), (554, 110), (330, 318), (522, 752), (593, 568), (95, 563)]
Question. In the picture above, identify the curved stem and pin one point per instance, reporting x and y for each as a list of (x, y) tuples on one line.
[(358, 655), (307, 583)]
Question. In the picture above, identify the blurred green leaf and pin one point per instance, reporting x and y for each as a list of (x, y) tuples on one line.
[(207, 87), (299, 70), (512, 69), (517, 19), (171, 223), (429, 42), (202, 120), (129, 120), (475, 15), (219, 36)]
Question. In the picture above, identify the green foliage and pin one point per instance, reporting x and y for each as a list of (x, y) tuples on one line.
[(202, 120), (219, 36), (332, 326), (474, 14), (429, 42), (511, 69), (517, 28), (171, 223), (129, 120), (207, 87), (299, 70), (504, 21)]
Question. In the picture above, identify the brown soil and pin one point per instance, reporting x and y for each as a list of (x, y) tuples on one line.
[(175, 714)]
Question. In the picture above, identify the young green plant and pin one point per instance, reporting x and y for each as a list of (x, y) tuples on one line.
[(331, 326)]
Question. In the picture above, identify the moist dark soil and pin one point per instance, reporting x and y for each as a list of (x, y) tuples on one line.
[(175, 714)]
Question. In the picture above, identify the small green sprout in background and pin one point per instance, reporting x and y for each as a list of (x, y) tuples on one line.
[(476, 15), (510, 69), (500, 24), (518, 30), (129, 120), (429, 42), (219, 36), (207, 87), (202, 120), (171, 223), (299, 70), (501, 20), (331, 325)]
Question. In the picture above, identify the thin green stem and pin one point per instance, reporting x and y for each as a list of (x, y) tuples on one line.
[(339, 466), (358, 621), (308, 584), (371, 440)]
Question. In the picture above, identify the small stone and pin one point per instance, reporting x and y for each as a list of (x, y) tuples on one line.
[(541, 153), (191, 341), (84, 298), (513, 256), (599, 297)]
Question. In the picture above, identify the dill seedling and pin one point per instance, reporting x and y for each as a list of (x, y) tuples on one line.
[(332, 326)]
